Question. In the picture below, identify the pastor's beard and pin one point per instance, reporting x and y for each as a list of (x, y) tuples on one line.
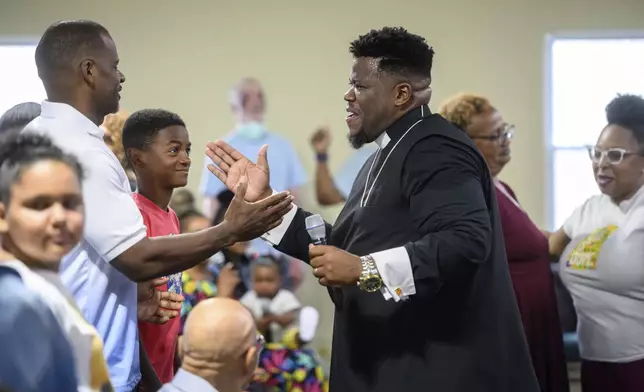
[(358, 140)]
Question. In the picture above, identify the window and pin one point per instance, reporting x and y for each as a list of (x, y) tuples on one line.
[(19, 81), (583, 76)]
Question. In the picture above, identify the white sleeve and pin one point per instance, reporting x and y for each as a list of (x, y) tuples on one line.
[(113, 222), (394, 267), (274, 237), (285, 302), (247, 299)]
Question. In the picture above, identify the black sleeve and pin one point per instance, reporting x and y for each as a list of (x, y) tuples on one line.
[(442, 179), (296, 240)]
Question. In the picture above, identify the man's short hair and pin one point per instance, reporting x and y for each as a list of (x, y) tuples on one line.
[(63, 41), (141, 127), (399, 51)]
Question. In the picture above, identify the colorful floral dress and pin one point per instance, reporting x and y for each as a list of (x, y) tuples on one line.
[(283, 367), (195, 291)]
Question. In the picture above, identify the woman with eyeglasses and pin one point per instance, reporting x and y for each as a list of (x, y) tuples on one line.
[(526, 246), (601, 255)]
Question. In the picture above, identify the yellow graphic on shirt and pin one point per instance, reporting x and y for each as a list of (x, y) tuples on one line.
[(100, 379), (584, 255)]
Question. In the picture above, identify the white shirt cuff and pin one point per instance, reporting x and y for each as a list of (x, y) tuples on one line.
[(395, 271), (274, 237)]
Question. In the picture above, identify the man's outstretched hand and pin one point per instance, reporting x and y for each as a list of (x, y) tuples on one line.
[(247, 221)]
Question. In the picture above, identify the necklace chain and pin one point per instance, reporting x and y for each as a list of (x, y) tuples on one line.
[(365, 193)]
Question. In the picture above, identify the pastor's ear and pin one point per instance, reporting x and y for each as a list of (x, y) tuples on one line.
[(402, 94)]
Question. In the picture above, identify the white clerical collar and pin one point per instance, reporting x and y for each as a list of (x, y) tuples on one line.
[(383, 140)]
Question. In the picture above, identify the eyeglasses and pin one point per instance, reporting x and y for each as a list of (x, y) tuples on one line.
[(614, 156), (506, 133), (260, 342)]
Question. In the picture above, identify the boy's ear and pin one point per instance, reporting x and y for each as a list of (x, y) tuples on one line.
[(135, 157)]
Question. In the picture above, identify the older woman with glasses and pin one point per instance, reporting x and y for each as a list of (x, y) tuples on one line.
[(601, 251), (526, 246)]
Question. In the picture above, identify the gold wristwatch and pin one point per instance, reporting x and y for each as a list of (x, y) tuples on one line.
[(370, 280)]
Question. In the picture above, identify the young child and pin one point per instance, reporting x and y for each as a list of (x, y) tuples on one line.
[(284, 364), (199, 282), (275, 309), (243, 254), (157, 146)]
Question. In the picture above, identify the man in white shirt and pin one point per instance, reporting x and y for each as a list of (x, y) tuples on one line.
[(221, 348), (78, 64)]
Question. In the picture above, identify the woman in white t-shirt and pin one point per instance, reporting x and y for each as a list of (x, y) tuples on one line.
[(41, 220), (601, 251)]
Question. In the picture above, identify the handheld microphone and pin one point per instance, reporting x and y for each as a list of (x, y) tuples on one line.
[(316, 228)]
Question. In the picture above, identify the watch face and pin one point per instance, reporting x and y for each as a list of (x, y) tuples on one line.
[(372, 283)]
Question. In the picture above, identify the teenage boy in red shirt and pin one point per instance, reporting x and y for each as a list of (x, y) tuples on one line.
[(157, 146)]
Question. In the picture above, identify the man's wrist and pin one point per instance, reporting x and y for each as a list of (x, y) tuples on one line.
[(321, 157), (370, 279), (358, 275), (224, 235)]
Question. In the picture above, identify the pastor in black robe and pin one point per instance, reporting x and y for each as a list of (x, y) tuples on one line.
[(461, 330)]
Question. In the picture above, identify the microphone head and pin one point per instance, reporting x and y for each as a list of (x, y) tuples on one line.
[(315, 227)]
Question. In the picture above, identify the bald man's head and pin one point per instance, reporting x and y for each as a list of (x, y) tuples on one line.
[(218, 329)]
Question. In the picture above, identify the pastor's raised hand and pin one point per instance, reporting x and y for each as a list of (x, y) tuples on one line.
[(230, 166)]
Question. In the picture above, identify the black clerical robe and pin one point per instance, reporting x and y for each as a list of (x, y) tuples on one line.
[(461, 330)]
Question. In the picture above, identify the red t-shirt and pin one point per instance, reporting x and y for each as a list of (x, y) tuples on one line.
[(160, 340)]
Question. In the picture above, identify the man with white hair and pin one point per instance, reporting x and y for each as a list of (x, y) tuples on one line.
[(221, 348), (248, 103)]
